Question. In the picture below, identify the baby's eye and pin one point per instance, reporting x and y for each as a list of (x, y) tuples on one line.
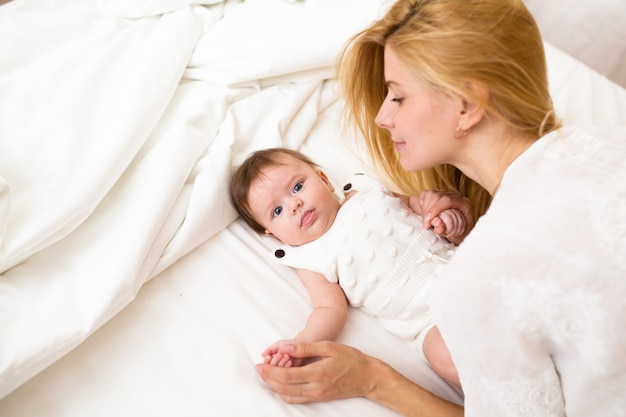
[(277, 210), (297, 187), (397, 100)]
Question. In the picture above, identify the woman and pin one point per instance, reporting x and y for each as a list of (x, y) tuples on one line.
[(532, 306)]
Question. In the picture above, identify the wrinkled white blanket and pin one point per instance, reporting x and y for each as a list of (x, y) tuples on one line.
[(119, 122)]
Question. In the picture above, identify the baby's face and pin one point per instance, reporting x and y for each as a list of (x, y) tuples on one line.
[(293, 202)]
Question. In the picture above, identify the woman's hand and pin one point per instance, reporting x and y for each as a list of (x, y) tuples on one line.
[(337, 371)]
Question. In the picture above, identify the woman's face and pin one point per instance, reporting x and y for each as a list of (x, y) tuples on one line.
[(422, 122)]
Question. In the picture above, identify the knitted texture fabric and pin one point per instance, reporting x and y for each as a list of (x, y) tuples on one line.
[(380, 254)]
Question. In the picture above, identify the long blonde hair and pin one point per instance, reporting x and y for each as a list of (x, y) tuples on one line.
[(445, 43)]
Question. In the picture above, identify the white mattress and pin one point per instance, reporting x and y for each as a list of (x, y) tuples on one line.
[(126, 288)]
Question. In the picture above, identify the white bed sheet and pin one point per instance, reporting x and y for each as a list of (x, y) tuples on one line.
[(188, 342), (117, 132)]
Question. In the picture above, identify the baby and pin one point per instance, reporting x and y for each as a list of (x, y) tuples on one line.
[(370, 248)]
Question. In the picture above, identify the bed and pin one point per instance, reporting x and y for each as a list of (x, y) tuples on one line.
[(127, 285)]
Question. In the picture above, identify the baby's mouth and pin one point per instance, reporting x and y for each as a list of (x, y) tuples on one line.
[(307, 218)]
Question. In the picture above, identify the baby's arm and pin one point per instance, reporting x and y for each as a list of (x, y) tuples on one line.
[(330, 310)]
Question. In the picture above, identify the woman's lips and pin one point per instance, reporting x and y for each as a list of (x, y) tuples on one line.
[(307, 218), (399, 145)]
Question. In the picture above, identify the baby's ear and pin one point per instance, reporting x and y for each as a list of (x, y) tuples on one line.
[(324, 178)]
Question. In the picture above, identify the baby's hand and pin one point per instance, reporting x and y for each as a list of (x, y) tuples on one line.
[(441, 210), (272, 355), (450, 224), (278, 359)]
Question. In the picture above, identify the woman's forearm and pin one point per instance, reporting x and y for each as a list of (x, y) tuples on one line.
[(393, 390), (341, 371)]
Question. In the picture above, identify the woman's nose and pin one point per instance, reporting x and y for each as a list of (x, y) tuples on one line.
[(297, 204), (384, 118)]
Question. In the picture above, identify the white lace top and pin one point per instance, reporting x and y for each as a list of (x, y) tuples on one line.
[(533, 304)]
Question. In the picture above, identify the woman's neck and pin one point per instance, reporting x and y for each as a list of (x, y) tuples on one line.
[(489, 152)]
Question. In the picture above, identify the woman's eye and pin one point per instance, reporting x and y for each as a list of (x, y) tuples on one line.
[(297, 187), (277, 211), (397, 100)]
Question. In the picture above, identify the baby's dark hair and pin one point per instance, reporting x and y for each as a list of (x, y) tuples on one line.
[(251, 169)]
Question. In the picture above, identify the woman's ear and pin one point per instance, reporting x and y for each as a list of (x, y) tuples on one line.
[(324, 178), (474, 105)]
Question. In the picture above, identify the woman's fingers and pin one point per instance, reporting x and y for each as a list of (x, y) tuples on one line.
[(330, 376)]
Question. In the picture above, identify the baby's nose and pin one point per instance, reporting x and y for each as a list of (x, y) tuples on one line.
[(297, 204)]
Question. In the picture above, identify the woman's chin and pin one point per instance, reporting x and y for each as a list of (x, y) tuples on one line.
[(406, 163), (409, 165)]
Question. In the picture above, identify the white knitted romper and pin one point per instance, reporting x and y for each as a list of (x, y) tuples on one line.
[(380, 254)]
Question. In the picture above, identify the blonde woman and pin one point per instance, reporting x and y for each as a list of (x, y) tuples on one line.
[(454, 94)]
